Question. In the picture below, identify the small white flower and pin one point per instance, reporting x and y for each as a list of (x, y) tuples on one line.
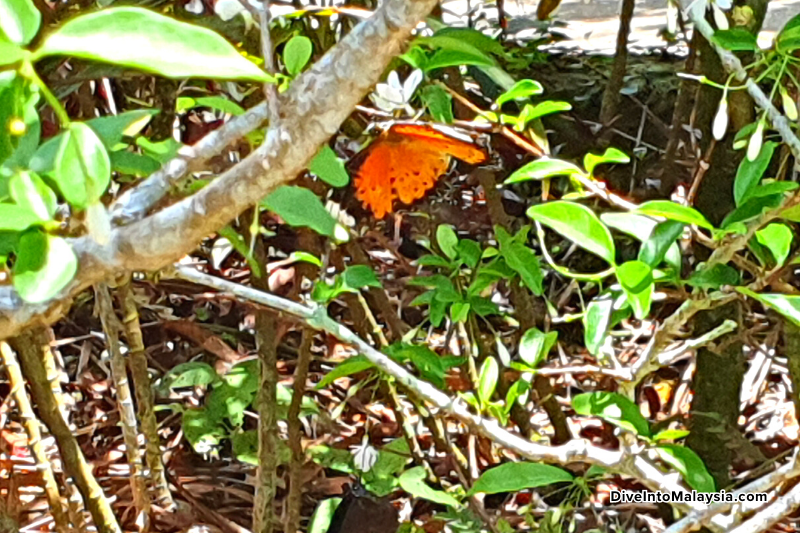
[(365, 456), (393, 95)]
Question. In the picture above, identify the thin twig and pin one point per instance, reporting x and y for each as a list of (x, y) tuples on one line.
[(127, 412), (31, 424)]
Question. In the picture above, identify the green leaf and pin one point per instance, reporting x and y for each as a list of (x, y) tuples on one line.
[(142, 39), (357, 277), (636, 279), (244, 445), (296, 54), (788, 306), (662, 243), (15, 217), (487, 379), (469, 252), (513, 477), (10, 53), (474, 38), (521, 259), (596, 321), (323, 514), (673, 211), (611, 155), (689, 464), (613, 408), (113, 128), (44, 266), (749, 173), (133, 164), (714, 277), (736, 40), (577, 223), (202, 429), (670, 434), (329, 168), (434, 261), (548, 107), (218, 103), (191, 374), (300, 207), (777, 238), (535, 345), (753, 207), (542, 168), (19, 21), (521, 90), (351, 366), (31, 193), (413, 482), (439, 103), (447, 240), (456, 58), (788, 40), (643, 228), (82, 168)]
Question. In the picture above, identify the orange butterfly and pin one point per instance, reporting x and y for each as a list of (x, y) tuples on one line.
[(405, 162)]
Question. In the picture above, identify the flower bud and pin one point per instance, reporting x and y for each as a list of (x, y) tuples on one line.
[(754, 146), (720, 125), (789, 107)]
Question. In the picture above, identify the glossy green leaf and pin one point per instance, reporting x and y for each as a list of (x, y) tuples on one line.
[(329, 168), (202, 429), (321, 519), (661, 244), (469, 252), (535, 345), (474, 38), (19, 21), (577, 223), (44, 266), (689, 464), (357, 277), (715, 277), (413, 482), (31, 193), (777, 238), (10, 53), (636, 279), (596, 321), (749, 173), (786, 305), (649, 232), (296, 54), (521, 259), (542, 168), (487, 379), (82, 169), (218, 103), (736, 40), (439, 103), (788, 40), (15, 217), (613, 408), (351, 366), (142, 39), (513, 477), (447, 240), (673, 211), (610, 156), (455, 58), (521, 90), (300, 207), (190, 374)]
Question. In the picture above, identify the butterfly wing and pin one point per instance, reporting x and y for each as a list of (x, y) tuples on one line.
[(466, 151), (415, 169), (372, 181)]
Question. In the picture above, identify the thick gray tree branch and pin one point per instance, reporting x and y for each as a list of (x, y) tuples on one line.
[(310, 112)]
